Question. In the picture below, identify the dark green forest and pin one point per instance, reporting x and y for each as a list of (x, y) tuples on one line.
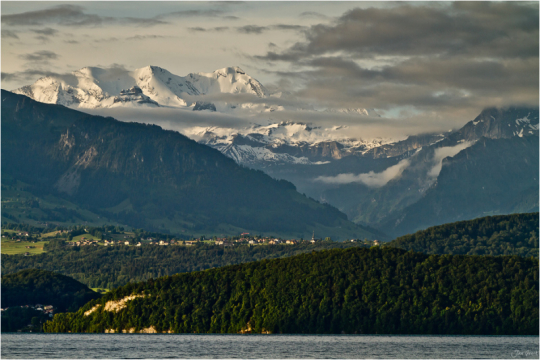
[(18, 318), (370, 291), (33, 286), (110, 267), (515, 234)]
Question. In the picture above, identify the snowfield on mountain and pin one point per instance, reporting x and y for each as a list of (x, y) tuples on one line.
[(265, 142), (93, 87)]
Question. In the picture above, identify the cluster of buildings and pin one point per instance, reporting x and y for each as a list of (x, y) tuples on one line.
[(16, 236), (271, 242), (85, 242), (255, 241), (219, 241), (245, 239), (373, 242), (45, 309)]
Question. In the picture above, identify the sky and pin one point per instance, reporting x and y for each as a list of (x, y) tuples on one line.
[(422, 66)]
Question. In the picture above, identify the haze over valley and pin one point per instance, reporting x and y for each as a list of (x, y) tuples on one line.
[(375, 181)]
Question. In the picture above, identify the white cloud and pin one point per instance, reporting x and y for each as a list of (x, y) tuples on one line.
[(376, 180), (443, 152), (370, 179)]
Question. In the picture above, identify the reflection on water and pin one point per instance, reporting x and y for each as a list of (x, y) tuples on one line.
[(77, 346)]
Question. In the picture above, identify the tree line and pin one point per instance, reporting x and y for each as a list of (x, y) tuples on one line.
[(515, 234), (31, 287), (362, 291), (109, 267)]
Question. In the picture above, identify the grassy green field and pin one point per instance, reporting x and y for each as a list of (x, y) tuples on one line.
[(100, 290), (50, 234), (9, 231), (85, 236), (19, 247)]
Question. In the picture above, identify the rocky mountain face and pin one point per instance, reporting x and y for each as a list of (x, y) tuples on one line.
[(405, 147), (135, 96), (494, 123), (442, 182), (143, 176), (256, 146), (295, 143), (492, 177)]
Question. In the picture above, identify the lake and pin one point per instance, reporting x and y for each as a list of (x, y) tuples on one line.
[(115, 346)]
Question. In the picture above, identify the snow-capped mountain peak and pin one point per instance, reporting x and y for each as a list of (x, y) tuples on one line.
[(501, 123), (231, 80), (94, 87), (283, 142)]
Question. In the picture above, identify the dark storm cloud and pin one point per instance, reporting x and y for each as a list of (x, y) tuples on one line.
[(194, 13), (106, 40), (313, 14), (479, 29), (140, 21), (204, 13), (71, 15), (39, 56), (251, 29), (44, 34), (31, 74), (145, 37), (431, 57), (9, 76), (45, 31), (131, 38), (200, 29), (431, 84), (43, 39), (255, 29), (287, 27), (7, 34)]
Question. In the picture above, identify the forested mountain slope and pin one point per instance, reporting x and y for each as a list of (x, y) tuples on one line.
[(515, 234), (143, 176), (377, 290), (110, 267)]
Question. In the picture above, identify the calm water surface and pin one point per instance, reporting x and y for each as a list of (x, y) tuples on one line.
[(144, 346)]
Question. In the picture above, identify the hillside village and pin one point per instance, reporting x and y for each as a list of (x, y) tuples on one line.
[(79, 236)]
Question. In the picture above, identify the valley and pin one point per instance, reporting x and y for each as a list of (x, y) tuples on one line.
[(143, 176), (379, 182)]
